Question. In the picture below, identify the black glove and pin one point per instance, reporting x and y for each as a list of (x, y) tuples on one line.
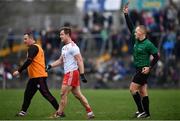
[(83, 78), (48, 67)]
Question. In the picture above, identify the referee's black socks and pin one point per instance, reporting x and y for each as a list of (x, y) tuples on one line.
[(145, 102), (137, 99)]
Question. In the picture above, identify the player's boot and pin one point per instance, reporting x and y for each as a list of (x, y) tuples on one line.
[(90, 115), (21, 114), (57, 115)]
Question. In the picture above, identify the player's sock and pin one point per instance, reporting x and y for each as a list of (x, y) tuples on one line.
[(145, 102), (137, 99), (88, 110)]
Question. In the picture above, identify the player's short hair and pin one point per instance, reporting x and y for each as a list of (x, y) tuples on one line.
[(143, 28), (30, 34), (67, 30)]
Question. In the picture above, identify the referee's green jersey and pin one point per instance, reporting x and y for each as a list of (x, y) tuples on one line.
[(142, 51)]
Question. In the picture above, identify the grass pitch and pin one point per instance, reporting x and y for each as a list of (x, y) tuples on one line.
[(106, 104)]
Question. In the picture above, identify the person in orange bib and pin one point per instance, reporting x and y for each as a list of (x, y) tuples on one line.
[(35, 64)]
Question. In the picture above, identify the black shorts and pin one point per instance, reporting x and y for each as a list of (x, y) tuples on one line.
[(139, 77)]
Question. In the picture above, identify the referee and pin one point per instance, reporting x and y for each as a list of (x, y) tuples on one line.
[(142, 50), (35, 63)]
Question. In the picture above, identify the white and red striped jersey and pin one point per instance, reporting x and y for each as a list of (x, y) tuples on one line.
[(68, 52)]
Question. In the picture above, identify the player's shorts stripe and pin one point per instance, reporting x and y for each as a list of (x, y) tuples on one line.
[(70, 78)]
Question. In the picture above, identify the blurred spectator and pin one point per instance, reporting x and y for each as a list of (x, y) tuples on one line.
[(36, 34), (114, 37), (169, 43), (2, 72), (135, 16), (86, 19), (177, 46), (110, 20), (10, 39), (5, 70), (170, 15), (48, 52), (105, 40), (178, 15), (43, 39), (98, 19), (96, 30), (52, 37)]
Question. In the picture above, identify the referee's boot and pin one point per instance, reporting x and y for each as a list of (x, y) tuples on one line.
[(143, 115), (21, 114), (136, 114)]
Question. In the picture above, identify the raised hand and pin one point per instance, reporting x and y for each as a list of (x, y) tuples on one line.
[(125, 8)]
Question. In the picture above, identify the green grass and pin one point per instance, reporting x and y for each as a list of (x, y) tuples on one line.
[(106, 104)]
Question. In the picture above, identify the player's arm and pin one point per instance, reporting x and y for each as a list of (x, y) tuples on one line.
[(80, 64), (32, 52), (55, 63), (127, 18)]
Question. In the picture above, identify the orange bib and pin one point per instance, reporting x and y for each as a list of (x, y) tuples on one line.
[(37, 67)]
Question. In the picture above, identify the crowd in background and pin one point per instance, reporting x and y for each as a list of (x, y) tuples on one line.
[(109, 57)]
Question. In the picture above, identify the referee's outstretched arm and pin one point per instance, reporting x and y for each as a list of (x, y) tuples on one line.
[(128, 20)]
